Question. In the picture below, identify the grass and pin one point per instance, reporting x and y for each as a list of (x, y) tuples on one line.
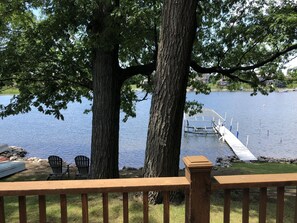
[(265, 168), (257, 168), (156, 211), (9, 91)]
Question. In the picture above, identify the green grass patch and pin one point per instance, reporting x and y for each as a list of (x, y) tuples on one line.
[(260, 168), (9, 91)]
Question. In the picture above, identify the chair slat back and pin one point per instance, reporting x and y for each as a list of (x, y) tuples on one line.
[(82, 163), (55, 163)]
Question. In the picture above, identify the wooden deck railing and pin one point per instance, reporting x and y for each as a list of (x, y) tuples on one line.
[(262, 182), (86, 187), (64, 188), (197, 185)]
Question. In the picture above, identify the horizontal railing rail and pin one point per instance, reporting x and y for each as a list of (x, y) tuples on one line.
[(85, 187), (254, 181), (92, 186)]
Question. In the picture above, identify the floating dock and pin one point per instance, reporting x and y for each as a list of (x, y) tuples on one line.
[(240, 150), (201, 123), (210, 122)]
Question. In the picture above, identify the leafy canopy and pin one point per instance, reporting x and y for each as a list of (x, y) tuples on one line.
[(47, 47), (47, 50)]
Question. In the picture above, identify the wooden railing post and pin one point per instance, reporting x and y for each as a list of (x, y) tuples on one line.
[(197, 171)]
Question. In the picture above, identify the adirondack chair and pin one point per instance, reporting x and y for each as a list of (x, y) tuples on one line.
[(56, 163), (83, 166)]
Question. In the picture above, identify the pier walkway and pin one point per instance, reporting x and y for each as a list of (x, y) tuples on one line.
[(240, 150)]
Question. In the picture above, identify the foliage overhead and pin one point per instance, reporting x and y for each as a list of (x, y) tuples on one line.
[(46, 50), (46, 47), (245, 41)]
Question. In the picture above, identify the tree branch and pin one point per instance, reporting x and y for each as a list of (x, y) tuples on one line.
[(230, 71), (128, 72)]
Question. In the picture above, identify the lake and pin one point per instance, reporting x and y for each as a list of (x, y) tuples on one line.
[(269, 121)]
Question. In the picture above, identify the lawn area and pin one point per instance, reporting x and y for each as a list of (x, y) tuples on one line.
[(9, 91), (36, 172), (257, 168)]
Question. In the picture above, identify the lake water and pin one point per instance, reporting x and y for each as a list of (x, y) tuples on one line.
[(269, 121)]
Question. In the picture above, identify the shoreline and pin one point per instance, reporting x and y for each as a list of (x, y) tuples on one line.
[(16, 153), (40, 168), (277, 90)]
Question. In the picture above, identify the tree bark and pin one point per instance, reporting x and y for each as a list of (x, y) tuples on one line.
[(166, 114), (108, 78), (106, 95), (106, 116)]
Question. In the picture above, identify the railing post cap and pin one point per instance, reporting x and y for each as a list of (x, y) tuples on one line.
[(197, 162)]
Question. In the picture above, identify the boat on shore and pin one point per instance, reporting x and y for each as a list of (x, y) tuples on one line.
[(8, 165)]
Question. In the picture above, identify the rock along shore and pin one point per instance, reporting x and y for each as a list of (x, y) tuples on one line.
[(13, 153), (228, 160)]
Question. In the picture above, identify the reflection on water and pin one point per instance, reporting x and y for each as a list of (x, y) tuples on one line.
[(270, 121)]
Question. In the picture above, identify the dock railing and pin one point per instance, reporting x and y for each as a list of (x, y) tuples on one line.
[(197, 184)]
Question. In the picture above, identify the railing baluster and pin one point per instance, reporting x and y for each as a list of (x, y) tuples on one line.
[(245, 205), (145, 207), (295, 219), (187, 208), (263, 205), (85, 209), (2, 213), (63, 204), (125, 208), (166, 206), (105, 207), (280, 205), (227, 198), (22, 209), (42, 209)]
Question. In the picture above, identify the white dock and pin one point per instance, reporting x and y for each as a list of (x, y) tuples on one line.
[(240, 150)]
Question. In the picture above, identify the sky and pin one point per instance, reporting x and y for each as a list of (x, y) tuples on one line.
[(291, 64)]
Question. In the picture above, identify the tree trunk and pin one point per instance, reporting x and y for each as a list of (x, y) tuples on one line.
[(166, 114), (106, 112), (106, 94)]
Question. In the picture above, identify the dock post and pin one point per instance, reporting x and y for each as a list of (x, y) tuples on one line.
[(247, 141)]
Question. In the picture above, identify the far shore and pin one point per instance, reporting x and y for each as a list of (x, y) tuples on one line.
[(14, 91)]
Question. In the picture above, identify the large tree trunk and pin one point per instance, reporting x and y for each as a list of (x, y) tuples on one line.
[(166, 114), (106, 112), (106, 95)]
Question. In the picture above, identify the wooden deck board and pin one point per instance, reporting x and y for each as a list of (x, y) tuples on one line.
[(255, 180), (88, 186)]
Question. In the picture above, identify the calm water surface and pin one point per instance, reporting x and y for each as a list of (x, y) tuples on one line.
[(269, 121)]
